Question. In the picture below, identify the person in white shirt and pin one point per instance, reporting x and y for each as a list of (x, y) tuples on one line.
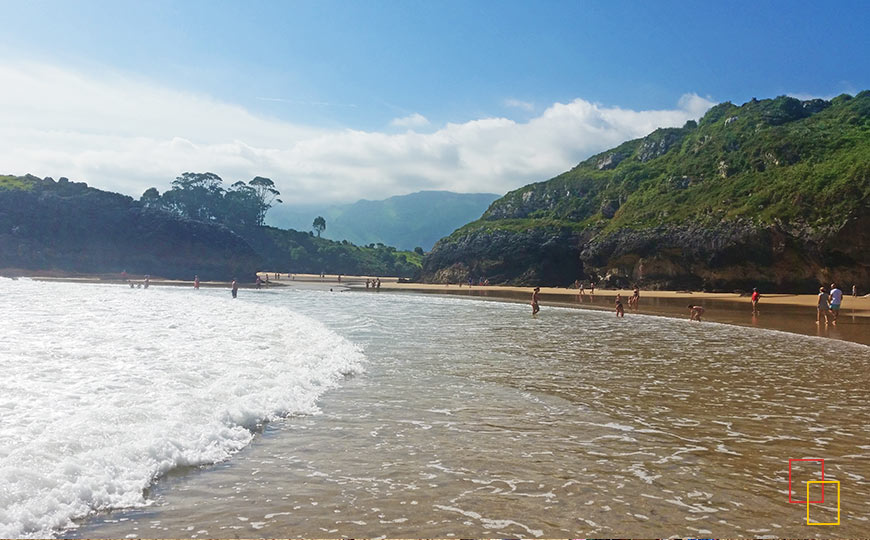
[(836, 298)]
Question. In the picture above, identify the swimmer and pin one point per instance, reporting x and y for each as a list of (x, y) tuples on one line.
[(755, 297), (620, 311), (235, 288)]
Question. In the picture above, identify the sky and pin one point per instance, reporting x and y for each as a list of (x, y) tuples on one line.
[(341, 100)]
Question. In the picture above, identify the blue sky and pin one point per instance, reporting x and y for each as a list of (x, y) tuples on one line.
[(294, 85)]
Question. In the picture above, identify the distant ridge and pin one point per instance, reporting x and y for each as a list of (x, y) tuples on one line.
[(405, 221)]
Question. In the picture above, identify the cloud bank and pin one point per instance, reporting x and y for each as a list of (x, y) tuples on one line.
[(121, 134)]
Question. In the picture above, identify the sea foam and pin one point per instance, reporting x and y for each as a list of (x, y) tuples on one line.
[(104, 388)]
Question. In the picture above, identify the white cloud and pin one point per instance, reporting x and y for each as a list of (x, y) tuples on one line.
[(126, 135), (410, 121), (518, 104)]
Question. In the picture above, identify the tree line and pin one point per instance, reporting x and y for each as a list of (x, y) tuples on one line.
[(202, 197)]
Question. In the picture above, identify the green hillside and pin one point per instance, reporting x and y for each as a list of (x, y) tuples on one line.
[(774, 191), (65, 226)]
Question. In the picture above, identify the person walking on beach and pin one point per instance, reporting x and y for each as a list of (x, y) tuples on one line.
[(854, 291), (592, 288), (755, 297), (836, 299), (822, 306), (196, 282), (536, 296), (235, 287), (620, 311), (695, 312)]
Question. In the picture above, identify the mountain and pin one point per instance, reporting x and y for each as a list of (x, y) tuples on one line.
[(774, 193), (70, 227), (406, 221)]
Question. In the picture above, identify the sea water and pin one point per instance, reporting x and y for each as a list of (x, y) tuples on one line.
[(471, 418), (104, 388)]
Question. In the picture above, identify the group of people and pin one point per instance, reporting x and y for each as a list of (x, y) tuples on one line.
[(137, 284), (633, 300), (829, 302), (582, 288), (373, 283)]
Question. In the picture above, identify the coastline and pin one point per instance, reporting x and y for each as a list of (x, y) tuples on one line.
[(793, 313)]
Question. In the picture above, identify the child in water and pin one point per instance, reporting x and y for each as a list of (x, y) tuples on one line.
[(620, 311), (695, 312)]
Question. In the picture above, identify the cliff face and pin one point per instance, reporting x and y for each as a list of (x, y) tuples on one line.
[(774, 193)]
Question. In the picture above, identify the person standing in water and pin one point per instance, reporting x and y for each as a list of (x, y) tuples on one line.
[(755, 297), (536, 296), (695, 312), (235, 288), (196, 282), (822, 306), (836, 299), (635, 297), (620, 310)]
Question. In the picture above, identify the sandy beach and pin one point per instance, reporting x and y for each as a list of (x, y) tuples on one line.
[(785, 312)]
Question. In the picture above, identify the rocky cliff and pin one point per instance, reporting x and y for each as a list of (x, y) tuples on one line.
[(774, 193)]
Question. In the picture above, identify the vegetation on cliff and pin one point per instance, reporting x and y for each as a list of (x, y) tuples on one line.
[(775, 192), (68, 226)]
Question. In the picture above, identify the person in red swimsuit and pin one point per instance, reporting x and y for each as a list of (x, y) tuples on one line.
[(755, 297)]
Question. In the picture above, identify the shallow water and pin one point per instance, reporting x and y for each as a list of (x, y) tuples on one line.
[(472, 419)]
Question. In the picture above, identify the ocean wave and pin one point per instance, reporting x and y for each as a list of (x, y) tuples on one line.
[(103, 389)]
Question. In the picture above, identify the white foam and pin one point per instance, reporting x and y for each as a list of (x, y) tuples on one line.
[(105, 388)]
